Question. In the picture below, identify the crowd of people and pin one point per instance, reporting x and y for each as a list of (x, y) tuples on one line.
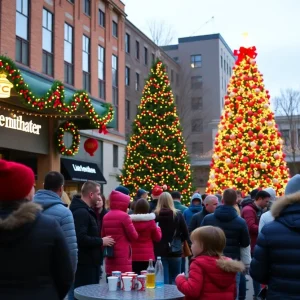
[(49, 248)]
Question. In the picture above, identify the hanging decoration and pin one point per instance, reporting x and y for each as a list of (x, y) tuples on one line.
[(91, 146)]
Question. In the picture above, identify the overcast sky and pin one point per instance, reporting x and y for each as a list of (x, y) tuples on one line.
[(273, 27)]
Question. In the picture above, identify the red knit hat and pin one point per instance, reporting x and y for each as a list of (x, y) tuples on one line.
[(157, 190), (16, 181)]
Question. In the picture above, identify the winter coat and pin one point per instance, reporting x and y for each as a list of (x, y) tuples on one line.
[(265, 219), (54, 207), (235, 228), (210, 278), (34, 256), (179, 206), (249, 213), (153, 204), (190, 211), (276, 256), (100, 217), (118, 225), (87, 232), (197, 220), (168, 225), (143, 248)]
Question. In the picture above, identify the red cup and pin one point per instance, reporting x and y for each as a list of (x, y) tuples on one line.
[(144, 272), (134, 281), (122, 283), (141, 283)]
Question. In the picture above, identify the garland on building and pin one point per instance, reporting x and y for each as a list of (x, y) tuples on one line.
[(55, 97), (62, 148), (248, 150)]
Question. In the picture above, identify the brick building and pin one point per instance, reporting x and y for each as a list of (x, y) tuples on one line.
[(80, 43)]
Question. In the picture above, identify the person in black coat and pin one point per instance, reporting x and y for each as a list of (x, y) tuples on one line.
[(210, 204), (276, 255), (34, 256), (87, 233)]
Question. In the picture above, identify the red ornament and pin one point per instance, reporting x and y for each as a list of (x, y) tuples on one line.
[(91, 146)]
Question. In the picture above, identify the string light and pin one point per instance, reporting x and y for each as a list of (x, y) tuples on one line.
[(156, 152), (248, 149)]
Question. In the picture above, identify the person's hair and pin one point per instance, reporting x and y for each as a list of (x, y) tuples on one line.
[(176, 195), (212, 239), (165, 200), (141, 206), (203, 196), (239, 193), (262, 194), (229, 197), (89, 187), (53, 181), (253, 193), (208, 198)]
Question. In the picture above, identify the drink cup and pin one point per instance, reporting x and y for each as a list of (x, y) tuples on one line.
[(122, 284), (127, 281), (141, 283), (134, 281), (117, 274), (112, 283), (144, 272)]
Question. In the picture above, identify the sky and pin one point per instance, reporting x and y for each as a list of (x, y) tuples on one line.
[(273, 26)]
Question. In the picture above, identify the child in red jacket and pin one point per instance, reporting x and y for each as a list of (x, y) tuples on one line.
[(212, 276)]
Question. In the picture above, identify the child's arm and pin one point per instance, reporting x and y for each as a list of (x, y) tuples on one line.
[(191, 287)]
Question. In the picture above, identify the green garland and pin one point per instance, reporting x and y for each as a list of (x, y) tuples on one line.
[(68, 127)]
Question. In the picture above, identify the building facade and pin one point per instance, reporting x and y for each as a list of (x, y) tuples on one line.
[(205, 63), (140, 53), (81, 44)]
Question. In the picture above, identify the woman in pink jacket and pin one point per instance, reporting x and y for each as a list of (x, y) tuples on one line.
[(142, 248), (118, 225)]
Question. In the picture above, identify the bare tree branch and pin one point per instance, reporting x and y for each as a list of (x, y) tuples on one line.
[(161, 33)]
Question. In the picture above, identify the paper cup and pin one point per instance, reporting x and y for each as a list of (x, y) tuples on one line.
[(127, 281), (112, 283)]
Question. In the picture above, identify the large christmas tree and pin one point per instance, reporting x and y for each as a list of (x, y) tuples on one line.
[(248, 146), (156, 152)]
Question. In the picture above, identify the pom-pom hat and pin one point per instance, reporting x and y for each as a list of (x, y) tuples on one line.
[(157, 190)]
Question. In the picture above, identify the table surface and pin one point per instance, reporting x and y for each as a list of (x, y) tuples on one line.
[(97, 291)]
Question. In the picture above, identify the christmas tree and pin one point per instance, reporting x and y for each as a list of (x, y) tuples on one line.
[(248, 146), (156, 152)]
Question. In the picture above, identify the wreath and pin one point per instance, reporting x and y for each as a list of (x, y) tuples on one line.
[(62, 148)]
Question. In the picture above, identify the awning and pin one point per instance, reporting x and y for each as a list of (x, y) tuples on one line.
[(81, 171)]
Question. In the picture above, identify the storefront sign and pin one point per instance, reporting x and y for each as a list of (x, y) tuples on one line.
[(5, 86), (83, 169), (17, 123)]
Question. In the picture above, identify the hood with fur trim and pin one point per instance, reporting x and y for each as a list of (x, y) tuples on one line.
[(286, 210), (15, 224), (230, 266), (142, 217)]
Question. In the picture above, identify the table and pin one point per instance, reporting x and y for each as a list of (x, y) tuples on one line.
[(101, 292)]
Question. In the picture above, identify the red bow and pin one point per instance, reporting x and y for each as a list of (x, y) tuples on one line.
[(103, 129), (243, 52)]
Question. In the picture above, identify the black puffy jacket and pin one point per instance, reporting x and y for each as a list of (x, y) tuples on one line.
[(34, 256), (235, 228)]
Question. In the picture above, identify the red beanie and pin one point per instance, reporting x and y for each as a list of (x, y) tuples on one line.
[(16, 181), (157, 190)]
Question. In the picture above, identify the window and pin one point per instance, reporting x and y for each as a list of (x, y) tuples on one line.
[(197, 148), (127, 43), (224, 65), (47, 42), (137, 81), (115, 156), (196, 61), (146, 55), (177, 79), (115, 98), (286, 137), (86, 63), (101, 72), (127, 76), (176, 58), (137, 50), (87, 7), (101, 18), (222, 82), (114, 29), (197, 103), (153, 57), (172, 75), (22, 35), (221, 61), (197, 125), (68, 55), (127, 109), (196, 82)]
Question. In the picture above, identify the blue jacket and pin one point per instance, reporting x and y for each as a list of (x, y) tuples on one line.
[(54, 207), (235, 228), (276, 259), (192, 209)]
